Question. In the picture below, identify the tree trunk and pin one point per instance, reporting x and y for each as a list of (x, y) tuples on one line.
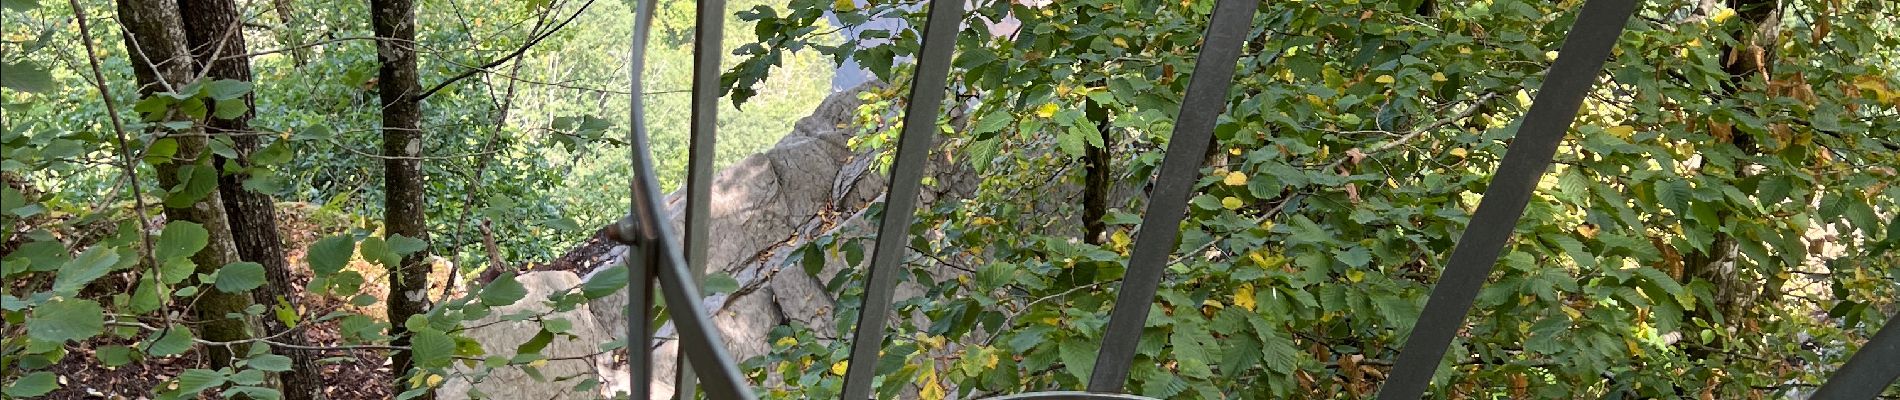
[(403, 205), (1098, 178), (216, 32), (1751, 58), (155, 39), (291, 34)]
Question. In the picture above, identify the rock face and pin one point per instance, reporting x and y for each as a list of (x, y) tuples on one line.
[(809, 184), (576, 358)]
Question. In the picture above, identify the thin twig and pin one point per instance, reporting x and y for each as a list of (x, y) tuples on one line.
[(118, 128), (504, 59)]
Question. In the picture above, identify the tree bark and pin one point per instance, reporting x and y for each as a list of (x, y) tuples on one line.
[(1098, 177), (215, 32), (403, 204), (156, 41), (1750, 58), (291, 35)]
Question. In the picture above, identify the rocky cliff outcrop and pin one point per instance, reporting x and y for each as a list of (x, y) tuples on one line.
[(808, 185)]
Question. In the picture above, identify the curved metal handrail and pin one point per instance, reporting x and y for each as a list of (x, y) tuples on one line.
[(657, 255)]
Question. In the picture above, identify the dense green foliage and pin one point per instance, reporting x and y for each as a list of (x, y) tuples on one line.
[(1351, 154), (1710, 230), (534, 148)]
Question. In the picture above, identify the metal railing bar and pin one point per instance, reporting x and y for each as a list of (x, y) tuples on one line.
[(1069, 395), (647, 229), (1869, 371), (639, 261), (1201, 107), (1585, 49), (707, 38), (913, 149), (640, 271)]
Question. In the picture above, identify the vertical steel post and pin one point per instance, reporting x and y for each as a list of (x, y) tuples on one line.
[(1585, 49), (707, 42), (1201, 107), (647, 228), (907, 171)]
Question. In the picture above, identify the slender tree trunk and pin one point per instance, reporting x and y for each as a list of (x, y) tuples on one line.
[(155, 39), (1751, 58), (403, 189), (215, 33), (1097, 178), (291, 35)]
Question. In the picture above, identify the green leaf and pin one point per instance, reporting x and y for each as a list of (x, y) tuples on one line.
[(114, 355), (719, 282), (403, 246), (992, 122), (240, 277), (248, 377), (172, 341), (330, 254), (376, 250), (557, 325), (66, 319), (34, 384), (1078, 357), (194, 183), (1356, 257), (503, 291), (148, 296), (605, 282), (535, 344), (19, 5), (176, 270), (270, 362), (432, 349), (252, 392), (26, 76), (229, 109), (227, 89), (180, 239), (193, 381), (85, 268)]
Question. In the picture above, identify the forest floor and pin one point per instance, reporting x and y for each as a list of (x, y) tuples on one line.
[(366, 372)]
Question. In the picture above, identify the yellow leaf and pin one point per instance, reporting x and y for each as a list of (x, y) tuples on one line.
[(434, 380), (1047, 110), (1235, 179), (1355, 275), (1722, 15), (844, 5), (1621, 131), (1459, 151), (1119, 42), (1234, 151), (787, 341), (1244, 297), (1550, 55), (538, 363), (1439, 77), (1231, 203), (1384, 79), (839, 368), (931, 390), (1877, 85)]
